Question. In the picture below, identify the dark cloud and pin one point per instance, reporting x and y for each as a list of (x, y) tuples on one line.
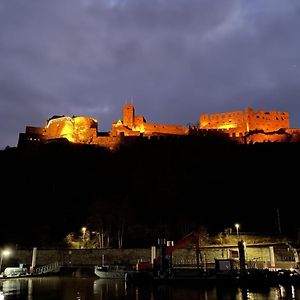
[(177, 58)]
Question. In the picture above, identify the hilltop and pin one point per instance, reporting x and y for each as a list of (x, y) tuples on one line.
[(164, 186)]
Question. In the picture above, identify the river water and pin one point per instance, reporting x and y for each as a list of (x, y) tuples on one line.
[(67, 288)]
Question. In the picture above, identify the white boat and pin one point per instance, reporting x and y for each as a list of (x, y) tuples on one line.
[(15, 272), (110, 272)]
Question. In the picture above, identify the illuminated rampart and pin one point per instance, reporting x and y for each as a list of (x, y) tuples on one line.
[(132, 125), (245, 126), (240, 123)]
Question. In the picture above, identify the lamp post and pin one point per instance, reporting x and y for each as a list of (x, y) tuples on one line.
[(237, 226), (83, 232), (3, 254), (83, 229)]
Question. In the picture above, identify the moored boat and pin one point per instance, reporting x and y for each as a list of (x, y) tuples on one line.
[(110, 272)]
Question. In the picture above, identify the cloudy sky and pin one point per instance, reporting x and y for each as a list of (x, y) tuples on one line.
[(175, 58)]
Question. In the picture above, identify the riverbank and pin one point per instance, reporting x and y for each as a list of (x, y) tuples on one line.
[(257, 255)]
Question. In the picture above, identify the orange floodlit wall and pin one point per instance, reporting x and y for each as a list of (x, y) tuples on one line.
[(137, 125), (234, 122), (245, 126), (74, 129), (239, 123), (267, 121)]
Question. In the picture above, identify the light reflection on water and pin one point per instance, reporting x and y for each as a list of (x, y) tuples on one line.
[(67, 288)]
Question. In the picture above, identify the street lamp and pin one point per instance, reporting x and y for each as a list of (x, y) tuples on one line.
[(3, 254), (237, 226), (83, 229)]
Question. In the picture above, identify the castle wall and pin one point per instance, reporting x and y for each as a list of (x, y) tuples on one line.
[(244, 126), (121, 130), (34, 130), (232, 121), (151, 128), (136, 125), (25, 139), (108, 142), (75, 129), (267, 121), (295, 134), (239, 123), (264, 137), (139, 121)]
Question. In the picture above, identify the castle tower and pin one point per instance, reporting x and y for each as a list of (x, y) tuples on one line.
[(248, 117), (128, 115)]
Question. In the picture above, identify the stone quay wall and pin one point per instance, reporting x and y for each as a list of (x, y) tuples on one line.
[(255, 256)]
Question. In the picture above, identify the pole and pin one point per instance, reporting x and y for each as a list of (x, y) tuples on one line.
[(153, 254), (1, 262), (278, 222), (241, 247), (162, 268), (198, 251), (237, 226), (99, 239), (272, 257), (3, 253), (33, 262)]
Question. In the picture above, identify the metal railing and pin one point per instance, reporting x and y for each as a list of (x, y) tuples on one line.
[(53, 267)]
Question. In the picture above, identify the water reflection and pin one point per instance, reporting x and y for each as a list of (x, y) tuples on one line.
[(104, 288), (13, 287), (67, 288), (277, 293)]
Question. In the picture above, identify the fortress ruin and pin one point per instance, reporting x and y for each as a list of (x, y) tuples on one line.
[(243, 126)]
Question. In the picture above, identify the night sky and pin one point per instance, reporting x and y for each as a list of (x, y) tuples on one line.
[(175, 58)]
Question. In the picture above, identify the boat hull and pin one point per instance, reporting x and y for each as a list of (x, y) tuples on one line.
[(109, 274)]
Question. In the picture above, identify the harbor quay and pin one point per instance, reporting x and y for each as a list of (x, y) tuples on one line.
[(261, 255)]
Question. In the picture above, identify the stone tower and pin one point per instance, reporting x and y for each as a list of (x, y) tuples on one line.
[(128, 115)]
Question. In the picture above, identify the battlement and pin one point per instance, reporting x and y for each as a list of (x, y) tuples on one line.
[(242, 122), (246, 126), (132, 125)]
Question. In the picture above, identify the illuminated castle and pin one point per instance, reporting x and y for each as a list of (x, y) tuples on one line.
[(84, 130), (252, 127), (136, 125), (243, 126), (239, 123)]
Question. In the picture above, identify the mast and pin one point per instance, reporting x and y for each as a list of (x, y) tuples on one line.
[(278, 221)]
